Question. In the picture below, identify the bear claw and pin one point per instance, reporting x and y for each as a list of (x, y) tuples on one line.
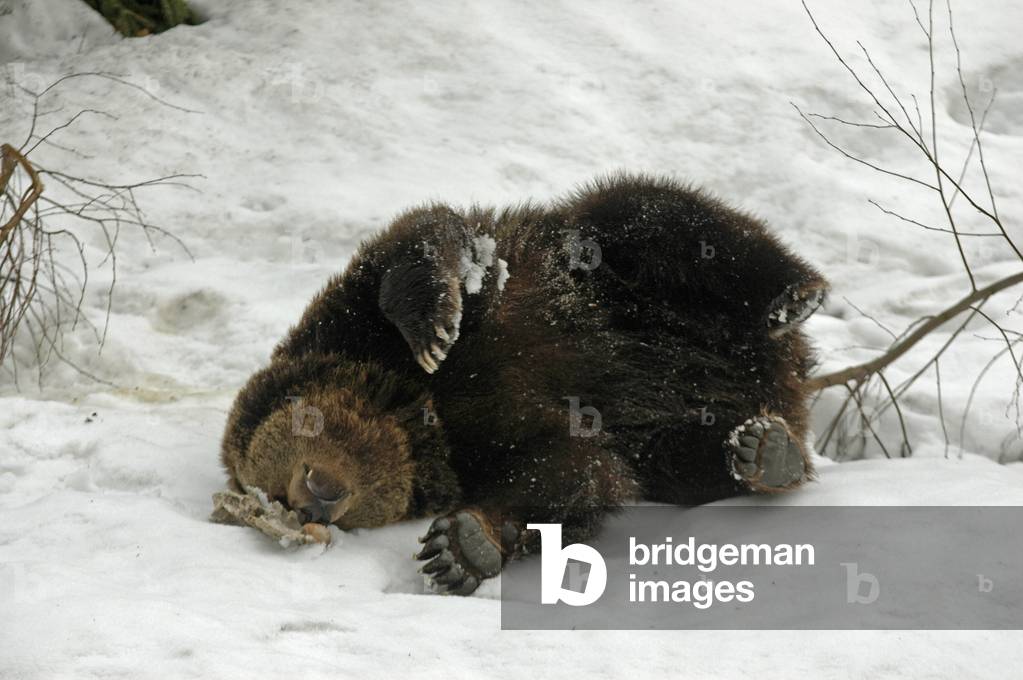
[(766, 455), (427, 309), (427, 362), (430, 352), (459, 554)]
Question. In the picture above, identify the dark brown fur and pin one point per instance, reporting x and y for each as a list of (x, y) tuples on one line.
[(669, 344)]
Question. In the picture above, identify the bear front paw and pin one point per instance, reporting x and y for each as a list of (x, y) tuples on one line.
[(460, 553), (426, 306), (767, 456)]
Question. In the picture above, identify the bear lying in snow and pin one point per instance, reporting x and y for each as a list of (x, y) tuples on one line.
[(635, 340)]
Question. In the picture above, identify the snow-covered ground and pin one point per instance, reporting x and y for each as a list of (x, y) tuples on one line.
[(314, 122)]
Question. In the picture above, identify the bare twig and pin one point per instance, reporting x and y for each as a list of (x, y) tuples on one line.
[(41, 296), (12, 158), (907, 448), (862, 371), (893, 115), (941, 404), (854, 392)]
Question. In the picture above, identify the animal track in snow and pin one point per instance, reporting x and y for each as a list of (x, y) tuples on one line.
[(188, 310)]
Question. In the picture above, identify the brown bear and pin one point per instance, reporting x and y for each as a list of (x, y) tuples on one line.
[(636, 340)]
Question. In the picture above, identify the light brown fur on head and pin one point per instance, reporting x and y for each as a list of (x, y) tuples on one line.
[(335, 434)]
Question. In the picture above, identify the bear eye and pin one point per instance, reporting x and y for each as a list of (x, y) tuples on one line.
[(326, 491)]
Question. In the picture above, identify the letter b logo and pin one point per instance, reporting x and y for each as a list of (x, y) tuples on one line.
[(576, 247), (300, 425), (854, 578), (576, 428), (553, 562)]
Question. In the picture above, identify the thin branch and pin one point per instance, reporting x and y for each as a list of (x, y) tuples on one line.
[(973, 145), (41, 297), (854, 392), (924, 226), (9, 152), (861, 371), (969, 107), (857, 159), (941, 406), (907, 448)]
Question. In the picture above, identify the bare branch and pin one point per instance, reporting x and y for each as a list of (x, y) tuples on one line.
[(857, 159), (861, 371), (907, 448), (924, 226), (41, 297)]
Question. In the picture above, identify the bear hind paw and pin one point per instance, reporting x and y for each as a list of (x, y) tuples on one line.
[(794, 306), (766, 456)]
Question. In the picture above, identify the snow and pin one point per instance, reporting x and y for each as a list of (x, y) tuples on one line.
[(502, 274), (475, 263), (316, 122)]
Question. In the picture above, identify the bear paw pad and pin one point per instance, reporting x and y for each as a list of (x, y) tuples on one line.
[(766, 456), (794, 306), (459, 554)]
